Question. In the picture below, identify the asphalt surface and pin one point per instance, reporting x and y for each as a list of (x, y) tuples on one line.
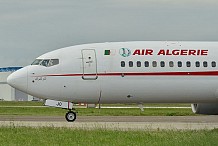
[(185, 119), (116, 122)]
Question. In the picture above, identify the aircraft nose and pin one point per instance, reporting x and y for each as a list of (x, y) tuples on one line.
[(18, 79)]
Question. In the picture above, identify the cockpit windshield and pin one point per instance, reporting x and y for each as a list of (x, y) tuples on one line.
[(46, 62), (37, 62)]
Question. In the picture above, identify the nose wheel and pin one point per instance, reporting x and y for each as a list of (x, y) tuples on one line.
[(70, 116)]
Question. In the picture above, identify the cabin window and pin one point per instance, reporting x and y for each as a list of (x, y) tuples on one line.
[(130, 64), (213, 63), (171, 64), (122, 63), (197, 64), (188, 64), (179, 64), (162, 64), (138, 63), (154, 63), (146, 64), (205, 63)]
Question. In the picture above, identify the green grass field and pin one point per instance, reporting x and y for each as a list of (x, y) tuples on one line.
[(94, 112), (64, 136), (9, 108)]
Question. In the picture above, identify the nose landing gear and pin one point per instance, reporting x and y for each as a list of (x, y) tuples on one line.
[(70, 115)]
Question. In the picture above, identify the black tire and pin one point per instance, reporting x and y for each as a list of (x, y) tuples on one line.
[(70, 116)]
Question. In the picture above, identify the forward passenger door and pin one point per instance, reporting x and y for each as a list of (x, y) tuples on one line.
[(89, 62)]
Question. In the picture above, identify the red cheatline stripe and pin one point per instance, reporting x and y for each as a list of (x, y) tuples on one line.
[(207, 73)]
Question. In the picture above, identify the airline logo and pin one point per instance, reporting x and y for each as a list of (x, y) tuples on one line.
[(125, 52)]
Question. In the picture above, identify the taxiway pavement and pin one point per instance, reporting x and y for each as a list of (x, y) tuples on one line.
[(116, 122)]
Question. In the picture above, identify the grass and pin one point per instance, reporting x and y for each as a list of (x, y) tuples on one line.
[(6, 108), (42, 111), (65, 136), (135, 112)]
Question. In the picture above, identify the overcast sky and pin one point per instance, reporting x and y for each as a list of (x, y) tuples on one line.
[(29, 28)]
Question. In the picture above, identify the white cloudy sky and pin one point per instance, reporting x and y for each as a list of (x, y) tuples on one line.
[(29, 28)]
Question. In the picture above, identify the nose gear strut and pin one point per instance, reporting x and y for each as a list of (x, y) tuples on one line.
[(70, 115)]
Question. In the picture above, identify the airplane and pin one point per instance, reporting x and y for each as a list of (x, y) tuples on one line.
[(125, 72)]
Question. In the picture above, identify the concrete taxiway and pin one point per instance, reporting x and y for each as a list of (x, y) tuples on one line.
[(116, 122)]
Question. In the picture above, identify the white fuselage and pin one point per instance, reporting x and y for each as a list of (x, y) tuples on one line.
[(185, 72)]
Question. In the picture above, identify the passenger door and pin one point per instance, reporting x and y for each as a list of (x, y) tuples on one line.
[(89, 62)]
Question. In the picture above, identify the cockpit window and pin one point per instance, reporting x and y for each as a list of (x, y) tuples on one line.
[(46, 62), (37, 62), (53, 62)]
